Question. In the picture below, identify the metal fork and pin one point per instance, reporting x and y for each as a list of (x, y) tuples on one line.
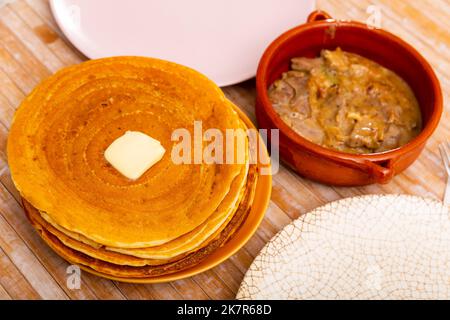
[(444, 148)]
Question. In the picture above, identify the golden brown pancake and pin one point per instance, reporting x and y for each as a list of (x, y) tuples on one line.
[(95, 252), (122, 258), (194, 239), (188, 241), (60, 131), (148, 271), (184, 243)]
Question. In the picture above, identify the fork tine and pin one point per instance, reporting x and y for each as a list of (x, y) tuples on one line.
[(445, 150), (446, 147), (445, 154)]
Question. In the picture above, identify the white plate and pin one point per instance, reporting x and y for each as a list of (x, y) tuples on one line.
[(369, 247), (223, 39)]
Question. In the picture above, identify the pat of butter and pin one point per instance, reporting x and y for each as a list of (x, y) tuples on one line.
[(134, 153)]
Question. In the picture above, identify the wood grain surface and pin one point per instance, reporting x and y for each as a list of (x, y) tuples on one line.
[(32, 48)]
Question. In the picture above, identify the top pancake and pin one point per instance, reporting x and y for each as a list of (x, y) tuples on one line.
[(59, 134)]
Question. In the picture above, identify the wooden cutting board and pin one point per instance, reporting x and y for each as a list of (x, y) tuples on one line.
[(32, 48)]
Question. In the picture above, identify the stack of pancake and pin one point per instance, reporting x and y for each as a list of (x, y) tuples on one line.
[(171, 218)]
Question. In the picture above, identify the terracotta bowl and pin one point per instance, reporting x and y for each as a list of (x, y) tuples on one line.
[(329, 166)]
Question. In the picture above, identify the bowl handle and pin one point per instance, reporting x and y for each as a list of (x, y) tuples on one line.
[(318, 15), (381, 174)]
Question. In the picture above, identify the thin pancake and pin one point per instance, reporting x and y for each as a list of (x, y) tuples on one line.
[(186, 242), (127, 272), (60, 131), (215, 222), (122, 258), (192, 240), (95, 252)]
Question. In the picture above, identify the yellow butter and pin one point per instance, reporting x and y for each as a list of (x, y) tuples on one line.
[(133, 153)]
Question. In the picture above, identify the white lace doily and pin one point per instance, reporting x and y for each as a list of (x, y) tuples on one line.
[(368, 247)]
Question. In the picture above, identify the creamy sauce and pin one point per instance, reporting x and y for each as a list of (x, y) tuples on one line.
[(346, 102)]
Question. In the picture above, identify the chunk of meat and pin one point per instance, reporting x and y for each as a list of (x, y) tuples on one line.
[(310, 130), (305, 64), (394, 137), (299, 103), (368, 132), (281, 93), (336, 60)]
